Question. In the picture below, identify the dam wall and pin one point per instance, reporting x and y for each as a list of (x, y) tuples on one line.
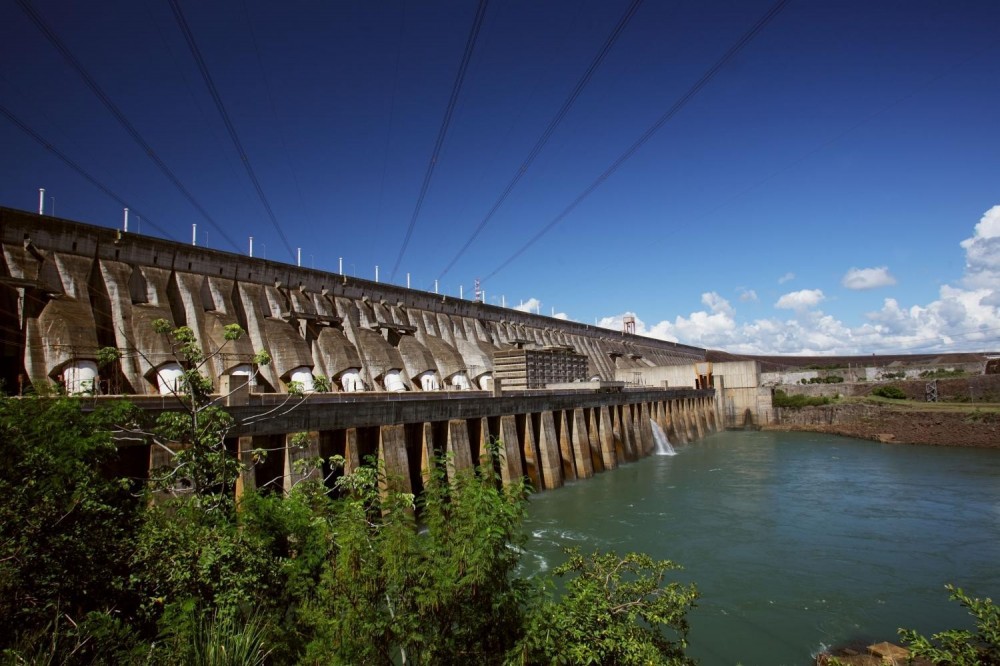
[(69, 289), (550, 437)]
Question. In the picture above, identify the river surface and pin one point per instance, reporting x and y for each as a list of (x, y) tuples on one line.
[(796, 541)]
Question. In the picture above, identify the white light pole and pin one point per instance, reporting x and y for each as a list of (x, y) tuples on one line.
[(251, 246), (41, 201), (194, 234)]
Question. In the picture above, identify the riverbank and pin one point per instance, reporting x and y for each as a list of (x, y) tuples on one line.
[(936, 424)]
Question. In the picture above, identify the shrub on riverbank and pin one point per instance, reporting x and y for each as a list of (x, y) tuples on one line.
[(891, 392), (782, 399)]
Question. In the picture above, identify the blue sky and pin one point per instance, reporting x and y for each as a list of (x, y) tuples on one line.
[(813, 196)]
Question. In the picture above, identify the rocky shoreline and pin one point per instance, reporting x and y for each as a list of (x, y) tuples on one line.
[(905, 423)]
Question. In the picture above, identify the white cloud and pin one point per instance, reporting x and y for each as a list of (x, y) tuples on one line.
[(868, 278), (963, 317), (530, 305), (748, 295), (800, 300), (561, 315), (787, 277), (982, 252)]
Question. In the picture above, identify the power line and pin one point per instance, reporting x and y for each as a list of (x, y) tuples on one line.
[(670, 113), (470, 45), (203, 68), (80, 170), (547, 134), (119, 116)]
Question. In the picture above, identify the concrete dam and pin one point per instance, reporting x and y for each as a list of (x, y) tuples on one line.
[(401, 373)]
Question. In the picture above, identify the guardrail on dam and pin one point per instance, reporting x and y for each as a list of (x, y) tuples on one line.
[(68, 290)]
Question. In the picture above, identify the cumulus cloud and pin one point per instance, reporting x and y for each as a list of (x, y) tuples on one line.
[(787, 277), (964, 316), (560, 315), (800, 300), (748, 295), (982, 252), (530, 305), (868, 278)]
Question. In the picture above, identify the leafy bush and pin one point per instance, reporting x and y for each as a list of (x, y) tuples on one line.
[(892, 392), (67, 530), (960, 647), (615, 610), (782, 399)]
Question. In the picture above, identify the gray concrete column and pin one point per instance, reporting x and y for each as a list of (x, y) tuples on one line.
[(304, 451), (548, 445), (594, 434), (458, 449), (628, 433), (698, 416), (395, 462), (566, 448), (352, 456), (426, 451), (617, 433), (608, 454), (510, 467), (247, 480), (646, 429), (532, 455), (581, 445)]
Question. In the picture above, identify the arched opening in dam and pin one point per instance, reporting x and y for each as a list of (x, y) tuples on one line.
[(796, 540)]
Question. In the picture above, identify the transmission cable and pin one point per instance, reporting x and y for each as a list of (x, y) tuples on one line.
[(470, 45), (547, 134), (670, 113), (119, 116), (203, 68), (80, 170)]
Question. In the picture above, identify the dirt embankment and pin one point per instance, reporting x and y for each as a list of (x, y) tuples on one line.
[(903, 423)]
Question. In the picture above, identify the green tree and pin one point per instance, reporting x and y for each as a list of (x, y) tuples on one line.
[(614, 611), (961, 647), (445, 593), (67, 529)]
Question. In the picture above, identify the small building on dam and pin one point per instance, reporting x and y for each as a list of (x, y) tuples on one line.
[(381, 369)]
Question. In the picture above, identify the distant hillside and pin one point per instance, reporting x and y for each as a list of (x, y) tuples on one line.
[(783, 363)]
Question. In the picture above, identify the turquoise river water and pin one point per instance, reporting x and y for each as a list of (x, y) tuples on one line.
[(796, 541)]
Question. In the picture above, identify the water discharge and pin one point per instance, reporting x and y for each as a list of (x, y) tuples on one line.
[(795, 540), (663, 445)]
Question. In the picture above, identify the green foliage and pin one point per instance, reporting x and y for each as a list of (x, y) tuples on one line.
[(615, 610), (321, 384), (829, 379), (444, 594), (891, 392), (782, 399), (67, 530), (893, 375), (961, 647)]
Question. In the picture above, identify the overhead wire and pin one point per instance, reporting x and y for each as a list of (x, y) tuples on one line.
[(80, 170), (703, 81), (547, 133), (271, 104), (119, 116), (210, 84), (470, 46)]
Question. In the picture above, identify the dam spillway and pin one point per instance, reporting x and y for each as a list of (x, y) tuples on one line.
[(409, 372)]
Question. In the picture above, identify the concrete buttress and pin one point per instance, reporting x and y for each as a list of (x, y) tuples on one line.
[(510, 467), (392, 453), (581, 446), (548, 444), (570, 471), (608, 453), (457, 448)]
